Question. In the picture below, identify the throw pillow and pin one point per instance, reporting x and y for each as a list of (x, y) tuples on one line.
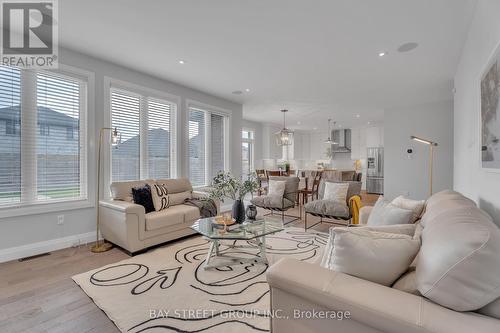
[(385, 213), (161, 200), (416, 206), (142, 196), (277, 188), (370, 255), (336, 191)]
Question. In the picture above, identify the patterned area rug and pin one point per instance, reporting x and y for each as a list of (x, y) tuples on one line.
[(167, 290)]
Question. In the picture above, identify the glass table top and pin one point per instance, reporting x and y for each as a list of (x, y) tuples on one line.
[(247, 230)]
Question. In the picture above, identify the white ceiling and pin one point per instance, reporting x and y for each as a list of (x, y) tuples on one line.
[(319, 59)]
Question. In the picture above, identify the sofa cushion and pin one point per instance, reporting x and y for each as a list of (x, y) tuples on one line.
[(353, 189), (336, 191), (327, 208), (459, 263), (276, 188), (123, 190), (385, 213), (171, 216), (291, 187), (179, 198), (374, 256), (416, 206), (492, 309), (142, 196), (176, 185), (191, 214), (160, 197), (270, 201), (407, 282)]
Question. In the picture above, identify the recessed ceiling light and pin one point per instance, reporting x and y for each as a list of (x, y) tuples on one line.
[(315, 128), (298, 123), (357, 116), (407, 47), (381, 54), (247, 89), (369, 122), (237, 92), (182, 62)]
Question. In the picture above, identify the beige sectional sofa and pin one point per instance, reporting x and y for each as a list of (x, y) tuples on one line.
[(455, 286), (126, 224)]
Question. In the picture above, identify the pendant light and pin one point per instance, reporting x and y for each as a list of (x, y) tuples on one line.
[(330, 140), (285, 136)]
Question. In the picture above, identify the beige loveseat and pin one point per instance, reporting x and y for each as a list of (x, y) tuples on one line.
[(459, 255), (126, 224)]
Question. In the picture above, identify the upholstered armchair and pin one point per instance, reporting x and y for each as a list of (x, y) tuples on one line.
[(280, 204), (332, 209)]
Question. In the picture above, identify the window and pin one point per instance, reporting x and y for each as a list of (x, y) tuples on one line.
[(247, 147), (70, 133), (44, 129), (10, 146), (207, 133), (197, 167), (125, 110), (11, 127), (147, 136), (37, 164)]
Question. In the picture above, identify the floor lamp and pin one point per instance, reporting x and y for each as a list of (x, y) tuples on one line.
[(431, 145), (99, 247)]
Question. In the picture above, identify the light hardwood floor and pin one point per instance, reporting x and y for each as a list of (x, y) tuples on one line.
[(39, 296)]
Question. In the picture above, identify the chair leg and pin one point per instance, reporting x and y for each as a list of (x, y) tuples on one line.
[(305, 221)]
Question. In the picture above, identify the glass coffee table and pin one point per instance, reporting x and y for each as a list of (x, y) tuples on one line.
[(253, 233)]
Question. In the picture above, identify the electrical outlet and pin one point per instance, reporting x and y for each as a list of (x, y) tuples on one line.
[(60, 219)]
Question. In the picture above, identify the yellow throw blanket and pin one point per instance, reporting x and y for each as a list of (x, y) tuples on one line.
[(355, 205)]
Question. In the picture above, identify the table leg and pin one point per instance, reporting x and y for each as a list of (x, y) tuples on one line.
[(262, 247), (210, 252)]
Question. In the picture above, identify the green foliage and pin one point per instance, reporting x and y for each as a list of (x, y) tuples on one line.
[(225, 185)]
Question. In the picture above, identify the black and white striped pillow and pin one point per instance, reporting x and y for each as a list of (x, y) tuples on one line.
[(160, 197)]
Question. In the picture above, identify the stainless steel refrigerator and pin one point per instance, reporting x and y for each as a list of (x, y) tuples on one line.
[(375, 170)]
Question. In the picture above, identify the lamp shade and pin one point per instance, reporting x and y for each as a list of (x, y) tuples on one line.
[(284, 137)]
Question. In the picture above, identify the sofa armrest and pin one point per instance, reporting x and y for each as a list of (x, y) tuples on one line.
[(123, 206), (371, 304), (364, 213), (205, 195)]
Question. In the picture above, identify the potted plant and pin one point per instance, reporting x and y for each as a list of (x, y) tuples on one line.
[(226, 186)]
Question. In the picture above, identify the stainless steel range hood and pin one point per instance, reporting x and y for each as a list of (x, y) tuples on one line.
[(343, 141)]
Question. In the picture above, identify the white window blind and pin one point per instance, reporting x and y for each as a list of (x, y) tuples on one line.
[(58, 156), (125, 113), (197, 150), (217, 144), (10, 135), (159, 138), (207, 145), (146, 124), (39, 162)]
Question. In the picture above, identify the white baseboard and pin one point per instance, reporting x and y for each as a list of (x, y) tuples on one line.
[(28, 250)]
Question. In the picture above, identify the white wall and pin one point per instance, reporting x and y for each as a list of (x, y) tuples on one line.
[(410, 176), (469, 178), (18, 231)]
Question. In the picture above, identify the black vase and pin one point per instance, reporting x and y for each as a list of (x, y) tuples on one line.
[(251, 212), (239, 211)]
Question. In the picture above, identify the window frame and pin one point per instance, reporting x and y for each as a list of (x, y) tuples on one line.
[(144, 93), (251, 145), (208, 109), (87, 200)]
